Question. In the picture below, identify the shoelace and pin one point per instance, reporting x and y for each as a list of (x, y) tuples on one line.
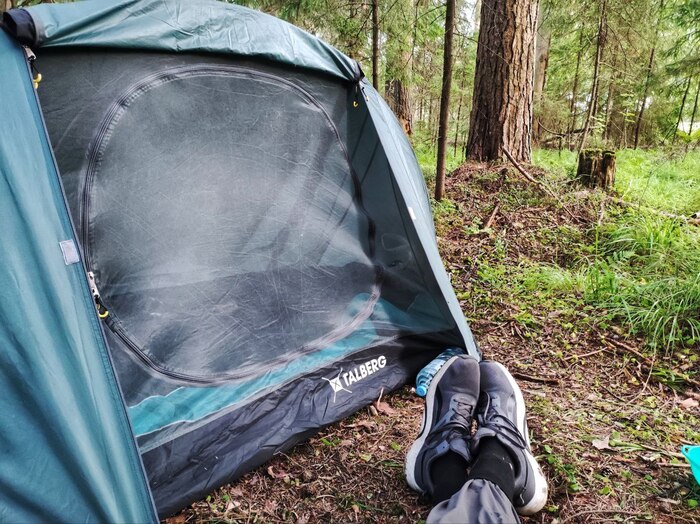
[(455, 418), (502, 425)]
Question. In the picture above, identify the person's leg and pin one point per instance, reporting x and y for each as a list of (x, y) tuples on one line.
[(505, 478), (479, 501), (437, 462), (502, 424), (487, 495)]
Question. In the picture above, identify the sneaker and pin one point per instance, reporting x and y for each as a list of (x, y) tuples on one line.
[(501, 414), (447, 420)]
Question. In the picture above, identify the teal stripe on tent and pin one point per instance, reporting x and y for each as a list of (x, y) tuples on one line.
[(67, 450), (190, 404)]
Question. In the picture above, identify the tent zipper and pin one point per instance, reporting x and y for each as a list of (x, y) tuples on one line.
[(112, 324), (33, 71)]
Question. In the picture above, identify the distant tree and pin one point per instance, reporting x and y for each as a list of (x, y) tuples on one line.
[(593, 99), (398, 26), (445, 99), (542, 44), (501, 116)]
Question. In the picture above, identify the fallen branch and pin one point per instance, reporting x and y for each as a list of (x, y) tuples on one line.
[(690, 220), (489, 222), (530, 378), (544, 186), (590, 353), (646, 361), (575, 516)]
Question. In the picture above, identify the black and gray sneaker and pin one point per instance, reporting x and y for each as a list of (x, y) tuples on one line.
[(447, 420), (501, 414)]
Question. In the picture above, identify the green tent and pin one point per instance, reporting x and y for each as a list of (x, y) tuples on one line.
[(216, 209)]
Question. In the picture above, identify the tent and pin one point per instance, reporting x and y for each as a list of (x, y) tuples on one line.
[(216, 240)]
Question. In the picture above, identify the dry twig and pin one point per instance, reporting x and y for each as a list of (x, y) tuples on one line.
[(544, 186)]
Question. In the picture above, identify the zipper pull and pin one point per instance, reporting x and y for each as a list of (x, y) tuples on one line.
[(101, 309), (31, 57)]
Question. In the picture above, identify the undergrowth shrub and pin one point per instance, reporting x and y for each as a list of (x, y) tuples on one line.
[(647, 274)]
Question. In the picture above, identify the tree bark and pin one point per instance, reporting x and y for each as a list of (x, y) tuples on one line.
[(574, 91), (459, 115), (680, 113), (645, 94), (695, 108), (596, 75), (542, 44), (445, 99), (647, 81), (399, 101), (501, 115), (608, 108), (375, 44), (596, 168)]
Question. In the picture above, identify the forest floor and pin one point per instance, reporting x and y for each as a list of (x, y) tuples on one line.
[(607, 415)]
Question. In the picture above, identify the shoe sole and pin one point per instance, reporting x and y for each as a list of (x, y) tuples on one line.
[(414, 451), (540, 497)]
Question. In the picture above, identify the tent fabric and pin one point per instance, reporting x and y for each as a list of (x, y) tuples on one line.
[(201, 26), (68, 453), (256, 223)]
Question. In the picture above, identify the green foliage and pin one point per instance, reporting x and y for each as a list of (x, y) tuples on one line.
[(426, 154), (648, 275), (645, 267), (660, 180)]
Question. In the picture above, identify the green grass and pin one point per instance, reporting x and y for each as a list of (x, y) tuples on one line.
[(665, 181), (426, 154), (644, 269), (648, 274)]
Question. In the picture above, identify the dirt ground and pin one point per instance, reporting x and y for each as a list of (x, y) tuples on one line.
[(607, 417)]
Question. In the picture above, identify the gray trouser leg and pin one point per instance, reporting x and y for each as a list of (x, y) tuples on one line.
[(478, 502)]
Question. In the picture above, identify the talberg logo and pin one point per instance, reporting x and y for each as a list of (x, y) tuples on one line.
[(343, 380)]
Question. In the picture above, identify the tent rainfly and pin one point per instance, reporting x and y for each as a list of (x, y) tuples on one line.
[(216, 240)]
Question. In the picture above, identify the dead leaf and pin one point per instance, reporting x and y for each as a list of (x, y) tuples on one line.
[(384, 408), (367, 424), (602, 443), (276, 475), (177, 519), (689, 403), (236, 493)]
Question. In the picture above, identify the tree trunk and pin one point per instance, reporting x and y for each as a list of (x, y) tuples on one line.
[(501, 115), (445, 100), (542, 44), (643, 102), (400, 103), (608, 108), (695, 108), (459, 115), (647, 81), (574, 92), (375, 44), (596, 168), (680, 113), (596, 75)]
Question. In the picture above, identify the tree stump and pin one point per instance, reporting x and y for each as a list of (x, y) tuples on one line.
[(596, 168)]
